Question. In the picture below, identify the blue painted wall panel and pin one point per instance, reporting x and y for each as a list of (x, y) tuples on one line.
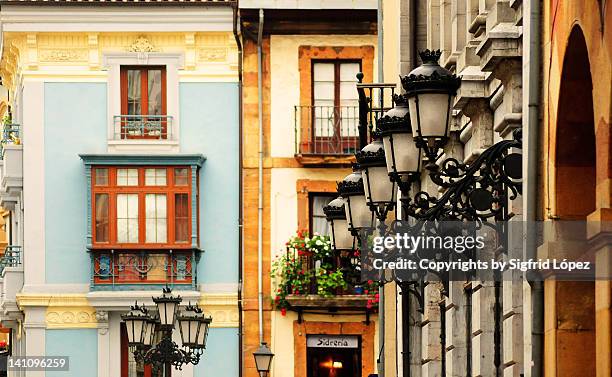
[(209, 125), (221, 355), (80, 345), (75, 122)]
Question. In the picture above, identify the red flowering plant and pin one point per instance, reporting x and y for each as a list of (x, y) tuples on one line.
[(317, 246), (292, 278)]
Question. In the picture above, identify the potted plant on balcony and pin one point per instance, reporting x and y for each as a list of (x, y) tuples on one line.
[(292, 278), (329, 281)]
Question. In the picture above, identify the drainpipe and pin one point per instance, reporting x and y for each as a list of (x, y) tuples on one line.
[(381, 290), (530, 172), (260, 176), (236, 18)]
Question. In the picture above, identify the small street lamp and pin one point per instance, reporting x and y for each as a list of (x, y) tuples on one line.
[(150, 335), (263, 359), (341, 237), (403, 157), (430, 90), (378, 189), (358, 213)]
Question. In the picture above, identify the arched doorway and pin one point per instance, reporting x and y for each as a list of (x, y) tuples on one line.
[(571, 323)]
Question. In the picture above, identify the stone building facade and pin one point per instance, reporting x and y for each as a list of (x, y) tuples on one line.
[(478, 328)]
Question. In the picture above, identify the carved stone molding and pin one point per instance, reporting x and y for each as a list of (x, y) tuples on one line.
[(75, 317), (63, 55), (212, 55), (142, 44)]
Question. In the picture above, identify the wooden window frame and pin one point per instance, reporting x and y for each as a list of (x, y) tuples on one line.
[(345, 141), (337, 63), (144, 89), (112, 189)]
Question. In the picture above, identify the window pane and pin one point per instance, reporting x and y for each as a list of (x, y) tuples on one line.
[(101, 175), (127, 218), (319, 221), (181, 217), (323, 72), (127, 177), (181, 177), (155, 92), (348, 72), (155, 177), (134, 93), (156, 218), (348, 94), (101, 217)]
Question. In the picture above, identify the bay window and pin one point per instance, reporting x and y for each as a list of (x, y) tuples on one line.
[(141, 207)]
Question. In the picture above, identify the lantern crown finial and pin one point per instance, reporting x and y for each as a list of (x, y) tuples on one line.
[(430, 56)]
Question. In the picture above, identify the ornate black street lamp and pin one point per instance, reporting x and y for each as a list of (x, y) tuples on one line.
[(341, 237), (403, 157), (379, 191), (263, 359), (472, 194), (150, 335), (358, 213), (430, 90)]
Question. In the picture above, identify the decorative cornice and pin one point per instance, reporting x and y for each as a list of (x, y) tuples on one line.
[(223, 307), (64, 311)]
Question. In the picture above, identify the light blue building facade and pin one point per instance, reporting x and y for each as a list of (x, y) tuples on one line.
[(120, 172)]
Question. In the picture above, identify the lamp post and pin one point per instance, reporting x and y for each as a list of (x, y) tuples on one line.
[(419, 125), (263, 359), (150, 334)]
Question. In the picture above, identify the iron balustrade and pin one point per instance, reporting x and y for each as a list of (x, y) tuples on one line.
[(10, 135), (156, 127), (11, 257), (112, 269), (347, 263), (326, 130)]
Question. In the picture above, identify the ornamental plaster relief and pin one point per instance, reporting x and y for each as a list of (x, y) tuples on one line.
[(71, 317), (208, 56)]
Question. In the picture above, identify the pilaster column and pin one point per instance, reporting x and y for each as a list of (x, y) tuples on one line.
[(35, 340), (509, 116), (103, 343), (456, 333), (430, 332)]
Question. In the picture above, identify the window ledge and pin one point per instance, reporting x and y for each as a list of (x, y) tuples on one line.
[(143, 145)]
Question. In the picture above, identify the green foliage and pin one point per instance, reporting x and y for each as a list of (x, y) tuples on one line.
[(292, 278), (329, 280)]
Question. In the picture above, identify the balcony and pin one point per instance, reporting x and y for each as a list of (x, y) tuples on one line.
[(145, 127), (11, 270), (11, 173), (326, 134), (312, 279), (143, 270)]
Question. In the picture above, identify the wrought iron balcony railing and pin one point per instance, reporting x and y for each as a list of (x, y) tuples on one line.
[(156, 127), (113, 269), (11, 257), (10, 135), (326, 130)]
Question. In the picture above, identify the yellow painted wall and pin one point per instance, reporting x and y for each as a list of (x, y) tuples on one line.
[(391, 32), (285, 82)]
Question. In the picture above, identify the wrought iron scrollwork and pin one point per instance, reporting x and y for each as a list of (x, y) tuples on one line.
[(476, 191)]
